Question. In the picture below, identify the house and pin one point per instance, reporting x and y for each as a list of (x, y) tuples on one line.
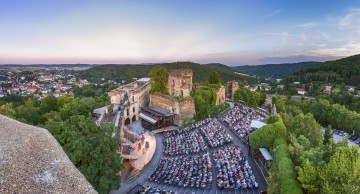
[(31, 89), (253, 88), (267, 88), (57, 94), (15, 89), (327, 89), (48, 78), (351, 88), (281, 86), (300, 91), (23, 87)]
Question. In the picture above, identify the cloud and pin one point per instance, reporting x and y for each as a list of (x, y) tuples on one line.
[(322, 45), (348, 49), (351, 20), (324, 35), (274, 13), (285, 36), (308, 25)]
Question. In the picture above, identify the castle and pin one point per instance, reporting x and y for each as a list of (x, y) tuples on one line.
[(179, 102), (180, 82)]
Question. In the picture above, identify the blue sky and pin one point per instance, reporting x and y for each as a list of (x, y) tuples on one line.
[(229, 32)]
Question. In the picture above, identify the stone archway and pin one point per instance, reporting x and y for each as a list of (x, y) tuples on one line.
[(133, 118), (127, 121)]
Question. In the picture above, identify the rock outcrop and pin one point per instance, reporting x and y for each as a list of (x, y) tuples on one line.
[(32, 161)]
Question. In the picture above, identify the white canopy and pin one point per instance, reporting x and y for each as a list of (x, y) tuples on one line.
[(147, 118), (266, 154), (256, 124)]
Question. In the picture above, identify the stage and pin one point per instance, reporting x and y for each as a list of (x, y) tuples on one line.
[(144, 154)]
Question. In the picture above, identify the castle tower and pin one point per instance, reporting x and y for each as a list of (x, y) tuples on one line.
[(180, 82)]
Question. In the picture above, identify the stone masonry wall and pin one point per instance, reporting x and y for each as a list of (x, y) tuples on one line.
[(220, 96), (231, 87), (182, 108), (180, 82)]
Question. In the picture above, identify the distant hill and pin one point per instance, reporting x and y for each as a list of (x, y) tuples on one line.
[(48, 65), (127, 72), (274, 70), (346, 70)]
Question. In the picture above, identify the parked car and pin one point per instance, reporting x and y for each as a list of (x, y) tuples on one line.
[(353, 138), (357, 141), (342, 133)]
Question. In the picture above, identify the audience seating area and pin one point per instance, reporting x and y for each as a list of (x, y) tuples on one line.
[(190, 139), (189, 171), (188, 128), (233, 170), (188, 152), (152, 190), (184, 143), (215, 135), (239, 119)]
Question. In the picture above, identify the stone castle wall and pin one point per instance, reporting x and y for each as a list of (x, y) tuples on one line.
[(231, 88), (180, 82), (183, 108), (220, 95)]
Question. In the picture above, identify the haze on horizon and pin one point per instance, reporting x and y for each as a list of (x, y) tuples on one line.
[(228, 32)]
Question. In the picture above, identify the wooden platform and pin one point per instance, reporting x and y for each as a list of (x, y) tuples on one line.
[(144, 155)]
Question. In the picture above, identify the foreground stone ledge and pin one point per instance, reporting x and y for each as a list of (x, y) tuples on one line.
[(32, 161)]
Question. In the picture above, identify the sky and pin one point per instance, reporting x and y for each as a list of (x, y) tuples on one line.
[(239, 32)]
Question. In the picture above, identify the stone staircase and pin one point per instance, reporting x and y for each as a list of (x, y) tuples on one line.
[(132, 176)]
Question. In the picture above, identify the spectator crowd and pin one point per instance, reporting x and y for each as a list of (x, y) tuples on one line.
[(215, 135), (191, 139), (184, 143), (178, 168), (189, 171), (239, 119), (152, 190), (233, 169)]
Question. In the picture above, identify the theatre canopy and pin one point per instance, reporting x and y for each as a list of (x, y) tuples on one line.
[(155, 118), (266, 154), (256, 124)]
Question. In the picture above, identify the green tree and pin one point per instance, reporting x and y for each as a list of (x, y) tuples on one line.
[(8, 110), (305, 125), (159, 79), (215, 78), (342, 173), (309, 178), (62, 100), (48, 104), (327, 135), (78, 106), (92, 150)]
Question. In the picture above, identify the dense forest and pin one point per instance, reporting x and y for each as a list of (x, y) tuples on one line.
[(274, 70), (127, 72), (306, 157), (346, 70)]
